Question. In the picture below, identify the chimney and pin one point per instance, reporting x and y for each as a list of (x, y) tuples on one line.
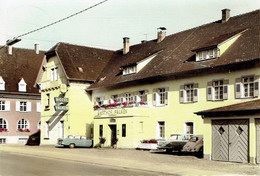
[(10, 49), (225, 15), (161, 34), (126, 46), (37, 48)]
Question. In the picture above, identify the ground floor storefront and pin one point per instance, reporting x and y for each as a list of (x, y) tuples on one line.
[(232, 133)]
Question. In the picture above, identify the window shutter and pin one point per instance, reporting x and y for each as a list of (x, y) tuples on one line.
[(210, 93), (7, 105), (154, 97), (18, 106), (182, 96), (225, 92), (195, 97), (38, 108), (137, 98), (256, 86), (238, 90), (166, 98), (29, 106), (52, 74)]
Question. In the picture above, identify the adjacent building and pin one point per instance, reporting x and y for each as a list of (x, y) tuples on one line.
[(160, 87), (66, 73), (20, 101)]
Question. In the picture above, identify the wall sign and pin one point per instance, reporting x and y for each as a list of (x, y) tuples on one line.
[(112, 112), (61, 100), (61, 108)]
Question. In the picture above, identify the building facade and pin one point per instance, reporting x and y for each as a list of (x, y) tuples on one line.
[(67, 71), (161, 87), (20, 101)]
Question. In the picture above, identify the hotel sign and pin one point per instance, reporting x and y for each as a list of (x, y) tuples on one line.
[(61, 100), (61, 108), (112, 112)]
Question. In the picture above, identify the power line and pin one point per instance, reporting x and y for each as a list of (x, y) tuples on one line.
[(62, 19), (15, 38)]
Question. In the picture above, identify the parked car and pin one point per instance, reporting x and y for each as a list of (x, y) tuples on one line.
[(175, 142), (195, 144), (75, 141)]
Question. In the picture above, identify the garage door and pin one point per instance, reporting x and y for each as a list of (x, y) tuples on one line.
[(230, 140), (258, 140)]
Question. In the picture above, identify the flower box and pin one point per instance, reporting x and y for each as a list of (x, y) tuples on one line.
[(27, 130), (3, 130)]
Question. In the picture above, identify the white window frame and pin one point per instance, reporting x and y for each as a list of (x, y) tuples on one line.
[(216, 88), (54, 74), (38, 107), (3, 123), (189, 93), (207, 54), (130, 70), (23, 124), (2, 83), (251, 86), (248, 86), (22, 86), (161, 130), (185, 127), (161, 96), (23, 106), (2, 105)]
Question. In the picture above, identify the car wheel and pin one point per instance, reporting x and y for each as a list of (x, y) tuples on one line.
[(71, 145), (199, 154)]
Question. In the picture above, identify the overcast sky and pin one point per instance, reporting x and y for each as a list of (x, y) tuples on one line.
[(105, 25)]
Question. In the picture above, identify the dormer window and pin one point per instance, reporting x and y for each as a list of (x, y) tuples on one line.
[(54, 74), (22, 86), (207, 54), (2, 83), (129, 70)]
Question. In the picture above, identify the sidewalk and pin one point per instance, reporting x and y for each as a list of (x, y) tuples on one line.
[(139, 160)]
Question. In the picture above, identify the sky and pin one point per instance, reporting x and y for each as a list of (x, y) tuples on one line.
[(105, 25)]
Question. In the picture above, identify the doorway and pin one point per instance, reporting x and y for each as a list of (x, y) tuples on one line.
[(113, 135)]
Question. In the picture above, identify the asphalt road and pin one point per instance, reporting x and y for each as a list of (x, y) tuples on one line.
[(12, 164)]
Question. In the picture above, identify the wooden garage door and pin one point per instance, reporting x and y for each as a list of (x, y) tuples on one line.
[(230, 140), (258, 140)]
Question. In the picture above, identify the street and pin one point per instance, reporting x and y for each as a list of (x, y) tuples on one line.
[(51, 160), (19, 164)]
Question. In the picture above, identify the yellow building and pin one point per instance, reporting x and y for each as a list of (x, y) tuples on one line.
[(67, 71), (159, 87)]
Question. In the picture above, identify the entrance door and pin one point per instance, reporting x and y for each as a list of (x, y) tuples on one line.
[(257, 140), (230, 140), (113, 135)]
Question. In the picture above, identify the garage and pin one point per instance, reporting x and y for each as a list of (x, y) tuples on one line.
[(230, 140)]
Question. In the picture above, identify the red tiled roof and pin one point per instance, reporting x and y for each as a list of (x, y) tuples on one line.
[(253, 105), (23, 63), (178, 48), (81, 62)]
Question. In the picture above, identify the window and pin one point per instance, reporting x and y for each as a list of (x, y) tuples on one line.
[(189, 93), (23, 106), (247, 87), (123, 130), (23, 124), (54, 74), (161, 130), (115, 99), (100, 130), (160, 96), (248, 84), (22, 86), (2, 105), (129, 70), (207, 54), (3, 123), (143, 96), (98, 101), (189, 128), (2, 83), (218, 90), (48, 100)]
